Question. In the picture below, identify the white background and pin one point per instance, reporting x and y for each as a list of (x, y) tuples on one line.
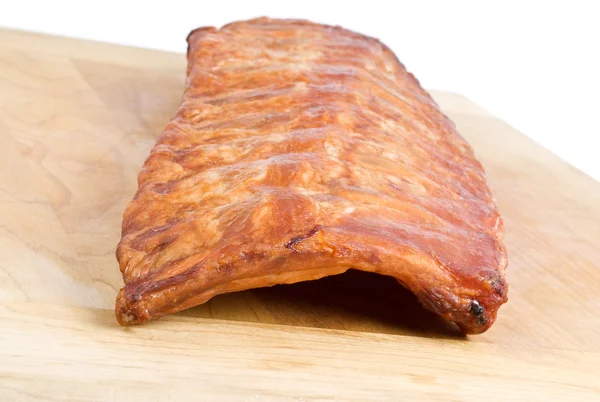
[(534, 64)]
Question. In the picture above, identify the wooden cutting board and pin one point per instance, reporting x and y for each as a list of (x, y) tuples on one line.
[(78, 118)]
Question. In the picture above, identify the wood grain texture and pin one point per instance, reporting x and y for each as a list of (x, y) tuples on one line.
[(78, 118)]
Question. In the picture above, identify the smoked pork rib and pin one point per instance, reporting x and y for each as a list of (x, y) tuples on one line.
[(300, 151)]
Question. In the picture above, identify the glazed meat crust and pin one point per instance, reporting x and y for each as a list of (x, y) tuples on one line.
[(300, 151)]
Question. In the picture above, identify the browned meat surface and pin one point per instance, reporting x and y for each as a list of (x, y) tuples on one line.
[(299, 151)]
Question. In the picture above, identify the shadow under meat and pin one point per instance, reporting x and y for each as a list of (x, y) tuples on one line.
[(353, 301)]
